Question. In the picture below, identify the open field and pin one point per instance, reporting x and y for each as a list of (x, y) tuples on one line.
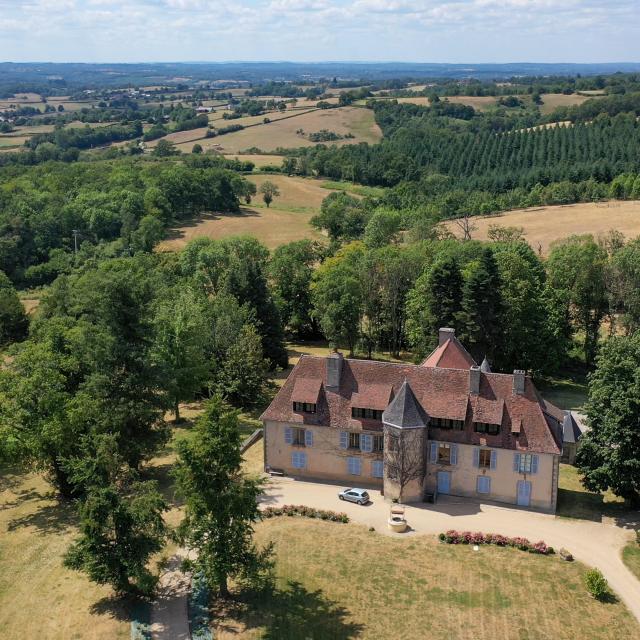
[(282, 133), (553, 100), (39, 598), (544, 225), (258, 160), (481, 103), (285, 221), (342, 581)]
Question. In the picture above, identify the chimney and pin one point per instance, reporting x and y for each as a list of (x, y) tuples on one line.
[(474, 380), (334, 369), (518, 382), (445, 334)]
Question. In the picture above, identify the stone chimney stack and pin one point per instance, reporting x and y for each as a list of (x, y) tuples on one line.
[(474, 380), (445, 334), (334, 369), (518, 382)]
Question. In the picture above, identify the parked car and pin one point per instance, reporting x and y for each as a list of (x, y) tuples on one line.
[(359, 496)]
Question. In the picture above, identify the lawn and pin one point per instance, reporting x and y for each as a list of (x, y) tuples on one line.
[(565, 393), (544, 225), (574, 501), (631, 557), (338, 581), (39, 598)]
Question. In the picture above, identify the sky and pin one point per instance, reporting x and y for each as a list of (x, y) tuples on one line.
[(456, 31)]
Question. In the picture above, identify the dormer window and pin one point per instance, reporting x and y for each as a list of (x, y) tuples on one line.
[(304, 407), (369, 414), (485, 427)]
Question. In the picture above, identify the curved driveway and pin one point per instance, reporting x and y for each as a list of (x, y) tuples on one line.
[(594, 543)]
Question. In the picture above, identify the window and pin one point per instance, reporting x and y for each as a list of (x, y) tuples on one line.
[(354, 441), (370, 414), (484, 458), (377, 469), (525, 463), (304, 407), (354, 466), (299, 460), (447, 423), (444, 453), (485, 427), (298, 437), (378, 443), (483, 484), (366, 442)]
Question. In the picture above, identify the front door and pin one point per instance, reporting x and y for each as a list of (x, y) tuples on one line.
[(444, 482), (524, 493)]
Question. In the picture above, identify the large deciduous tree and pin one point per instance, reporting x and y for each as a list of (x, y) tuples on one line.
[(609, 452), (13, 319), (220, 501)]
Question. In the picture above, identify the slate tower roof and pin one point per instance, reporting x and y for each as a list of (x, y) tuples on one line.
[(405, 411)]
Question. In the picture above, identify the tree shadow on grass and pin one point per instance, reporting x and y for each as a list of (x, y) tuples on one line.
[(49, 518), (122, 609), (584, 505), (293, 613)]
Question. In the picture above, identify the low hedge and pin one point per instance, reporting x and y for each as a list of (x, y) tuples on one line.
[(306, 512), (469, 537)]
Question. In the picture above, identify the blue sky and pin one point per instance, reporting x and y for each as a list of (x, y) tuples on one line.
[(314, 30)]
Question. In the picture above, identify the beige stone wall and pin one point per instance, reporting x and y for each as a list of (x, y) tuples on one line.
[(504, 479), (325, 459)]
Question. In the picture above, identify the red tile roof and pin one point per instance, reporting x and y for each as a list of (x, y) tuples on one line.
[(442, 393), (450, 355), (372, 396), (306, 390)]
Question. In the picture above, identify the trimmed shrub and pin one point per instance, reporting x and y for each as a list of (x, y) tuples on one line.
[(303, 511), (467, 537), (596, 584)]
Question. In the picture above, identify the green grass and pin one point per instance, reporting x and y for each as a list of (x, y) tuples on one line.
[(631, 557), (574, 501), (339, 582), (565, 393), (351, 187)]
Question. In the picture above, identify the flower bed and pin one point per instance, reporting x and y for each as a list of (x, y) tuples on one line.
[(469, 537), (307, 512)]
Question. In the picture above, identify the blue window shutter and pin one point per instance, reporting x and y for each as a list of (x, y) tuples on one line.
[(494, 459), (366, 443), (294, 459), (344, 439), (303, 460), (516, 462), (288, 435), (377, 469), (308, 438), (454, 454), (434, 452), (476, 457), (358, 466), (534, 464)]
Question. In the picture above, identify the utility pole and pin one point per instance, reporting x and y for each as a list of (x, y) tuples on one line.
[(75, 240)]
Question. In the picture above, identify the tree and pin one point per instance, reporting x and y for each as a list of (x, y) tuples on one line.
[(624, 277), (482, 307), (577, 268), (149, 232), (220, 502), (404, 459), (269, 191), (13, 319), (291, 270), (197, 148), (435, 301), (164, 149), (337, 296), (342, 216), (609, 452), (121, 524), (181, 337), (383, 228), (466, 225)]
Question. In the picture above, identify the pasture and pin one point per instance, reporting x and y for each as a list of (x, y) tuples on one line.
[(552, 101), (543, 225), (342, 581), (285, 221), (481, 103)]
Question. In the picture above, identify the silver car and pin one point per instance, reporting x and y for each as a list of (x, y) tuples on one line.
[(359, 496)]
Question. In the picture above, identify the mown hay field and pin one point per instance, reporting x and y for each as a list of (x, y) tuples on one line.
[(282, 132), (342, 581), (551, 101), (543, 225), (258, 160)]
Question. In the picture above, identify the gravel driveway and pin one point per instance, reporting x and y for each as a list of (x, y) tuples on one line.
[(594, 543)]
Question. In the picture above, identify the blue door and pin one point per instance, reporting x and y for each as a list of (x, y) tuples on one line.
[(444, 482), (524, 493)]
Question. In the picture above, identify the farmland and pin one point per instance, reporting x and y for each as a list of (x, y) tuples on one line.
[(416, 587), (551, 101), (544, 225)]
